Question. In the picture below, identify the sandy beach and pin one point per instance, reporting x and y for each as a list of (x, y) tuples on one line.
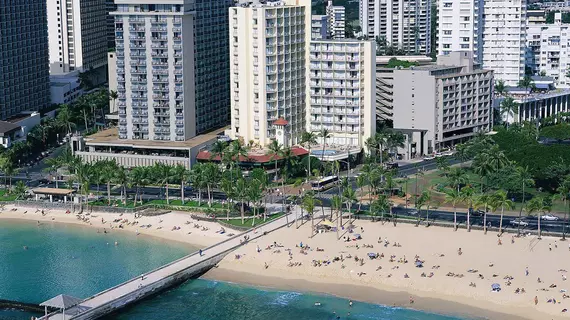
[(448, 282)]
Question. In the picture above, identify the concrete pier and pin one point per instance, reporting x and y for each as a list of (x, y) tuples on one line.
[(162, 278)]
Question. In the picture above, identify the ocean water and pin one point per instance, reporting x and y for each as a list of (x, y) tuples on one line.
[(80, 262)]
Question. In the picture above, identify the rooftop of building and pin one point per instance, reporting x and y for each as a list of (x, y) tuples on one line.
[(261, 3), (7, 128), (110, 137), (419, 59), (258, 155), (521, 97), (339, 40)]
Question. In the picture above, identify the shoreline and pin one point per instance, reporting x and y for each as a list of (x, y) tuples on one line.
[(250, 270), (359, 293)]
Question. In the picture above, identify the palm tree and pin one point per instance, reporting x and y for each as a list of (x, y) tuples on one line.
[(308, 139), (182, 175), (453, 196), (64, 117), (524, 177), (162, 174), (500, 199), (275, 149), (309, 203), (324, 134), (108, 175), (53, 164), (509, 107), (382, 204), (254, 195), (241, 194), (563, 193), (336, 204), (218, 149), (538, 205), (461, 153), (360, 183), (482, 167), (136, 176), (483, 201), (426, 196), (122, 179), (526, 83), (500, 88), (212, 176), (456, 177), (419, 203), (349, 197), (468, 195), (381, 139), (113, 95)]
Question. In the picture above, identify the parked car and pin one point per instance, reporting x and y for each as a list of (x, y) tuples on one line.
[(519, 222), (549, 217), (392, 165), (476, 213), (429, 157)]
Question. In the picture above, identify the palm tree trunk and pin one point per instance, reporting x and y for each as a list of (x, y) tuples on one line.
[(539, 231), (485, 220), (469, 219), (337, 224), (565, 222), (312, 223), (253, 220), (520, 212), (182, 191), (167, 200), (242, 213), (209, 203), (309, 164), (108, 193), (501, 220), (454, 217), (427, 216)]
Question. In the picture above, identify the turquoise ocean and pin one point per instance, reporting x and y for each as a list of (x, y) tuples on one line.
[(78, 261)]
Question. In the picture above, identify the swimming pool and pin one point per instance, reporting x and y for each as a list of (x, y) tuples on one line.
[(325, 153)]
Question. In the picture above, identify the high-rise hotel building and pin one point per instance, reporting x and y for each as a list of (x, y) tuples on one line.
[(460, 27), (268, 52), (77, 35), (172, 68), (504, 39), (24, 57), (405, 24), (342, 91)]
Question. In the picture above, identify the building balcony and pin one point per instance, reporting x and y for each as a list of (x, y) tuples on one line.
[(138, 71), (160, 71)]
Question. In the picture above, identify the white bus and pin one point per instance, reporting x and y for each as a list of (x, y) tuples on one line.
[(324, 183)]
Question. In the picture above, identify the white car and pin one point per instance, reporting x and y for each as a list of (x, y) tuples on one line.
[(519, 222), (549, 217), (427, 158)]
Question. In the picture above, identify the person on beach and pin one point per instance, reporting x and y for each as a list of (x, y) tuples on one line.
[(535, 300), (200, 252), (350, 303), (526, 271), (411, 300)]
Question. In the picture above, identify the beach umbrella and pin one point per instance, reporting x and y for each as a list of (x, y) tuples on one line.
[(419, 264), (372, 255), (496, 287)]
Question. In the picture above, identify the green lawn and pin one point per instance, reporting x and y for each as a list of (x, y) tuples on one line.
[(248, 221)]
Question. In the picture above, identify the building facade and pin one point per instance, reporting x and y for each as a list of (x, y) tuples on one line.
[(268, 52), (504, 37), (110, 4), (172, 70), (342, 91), (77, 35), (336, 21), (460, 27), (319, 27), (24, 57), (438, 106), (547, 50), (405, 24)]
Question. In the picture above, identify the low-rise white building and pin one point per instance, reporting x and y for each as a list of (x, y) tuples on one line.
[(342, 91), (65, 88)]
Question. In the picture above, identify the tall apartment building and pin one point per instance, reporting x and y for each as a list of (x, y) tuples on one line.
[(405, 23), (336, 21), (504, 42), (24, 57), (437, 106), (172, 68), (110, 24), (342, 91), (268, 53), (77, 35), (547, 50), (460, 27), (319, 27)]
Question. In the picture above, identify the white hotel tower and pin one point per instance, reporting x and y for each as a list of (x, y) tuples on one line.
[(504, 39), (154, 103), (268, 54), (460, 27)]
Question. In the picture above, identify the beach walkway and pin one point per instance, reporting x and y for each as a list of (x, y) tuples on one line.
[(168, 275)]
